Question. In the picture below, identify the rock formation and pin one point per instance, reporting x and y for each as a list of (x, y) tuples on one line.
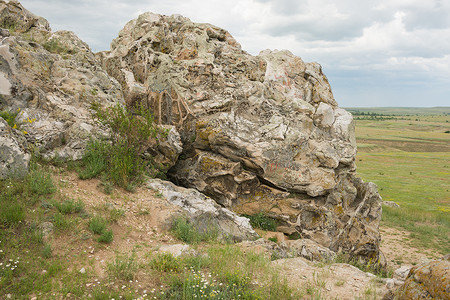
[(260, 133), (429, 280), (52, 77), (204, 212)]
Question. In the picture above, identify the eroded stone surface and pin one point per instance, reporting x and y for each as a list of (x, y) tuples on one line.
[(52, 77), (256, 130), (427, 281), (204, 212), (14, 159)]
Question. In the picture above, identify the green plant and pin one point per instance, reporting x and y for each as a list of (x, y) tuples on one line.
[(47, 251), (262, 221), (106, 237), (70, 206), (123, 267), (191, 233), (60, 222), (10, 117), (165, 262), (115, 214), (11, 213), (95, 159), (40, 181), (97, 225), (273, 239), (131, 132)]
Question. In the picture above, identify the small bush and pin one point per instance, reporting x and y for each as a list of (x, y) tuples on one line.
[(60, 222), (261, 221), (40, 181), (106, 237), (10, 118), (123, 267), (47, 251), (165, 262), (97, 225), (121, 160), (70, 206), (95, 159)]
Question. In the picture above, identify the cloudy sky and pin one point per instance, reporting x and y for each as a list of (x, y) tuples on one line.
[(374, 52)]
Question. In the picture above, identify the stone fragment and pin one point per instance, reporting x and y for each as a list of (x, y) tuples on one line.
[(204, 212)]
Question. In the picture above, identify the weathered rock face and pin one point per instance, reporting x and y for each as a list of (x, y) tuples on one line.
[(428, 281), (13, 158), (204, 212), (260, 132), (52, 77)]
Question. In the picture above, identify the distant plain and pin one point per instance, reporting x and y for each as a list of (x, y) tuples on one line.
[(406, 152)]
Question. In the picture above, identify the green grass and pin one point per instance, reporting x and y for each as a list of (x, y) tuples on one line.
[(262, 221), (123, 267), (410, 163), (98, 225), (191, 233)]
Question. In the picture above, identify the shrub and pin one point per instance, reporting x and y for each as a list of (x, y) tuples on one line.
[(97, 225), (123, 267), (261, 221), (11, 213), (69, 206), (10, 117), (94, 159), (121, 159), (47, 251), (106, 237), (165, 262), (40, 181)]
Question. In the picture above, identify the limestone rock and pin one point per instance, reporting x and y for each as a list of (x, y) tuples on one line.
[(13, 158), (427, 281), (310, 250), (256, 130), (176, 250), (264, 247), (52, 77), (402, 272), (204, 212)]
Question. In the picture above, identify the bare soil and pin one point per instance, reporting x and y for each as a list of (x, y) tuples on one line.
[(143, 229)]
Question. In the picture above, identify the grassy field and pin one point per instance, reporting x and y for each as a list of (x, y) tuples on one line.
[(408, 157)]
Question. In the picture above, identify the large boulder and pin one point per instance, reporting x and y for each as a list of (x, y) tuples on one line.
[(259, 132), (52, 77), (429, 280)]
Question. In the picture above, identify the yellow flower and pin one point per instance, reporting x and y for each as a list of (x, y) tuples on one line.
[(25, 132), (15, 126)]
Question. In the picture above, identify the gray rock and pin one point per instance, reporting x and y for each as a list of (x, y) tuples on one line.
[(204, 212), (309, 249), (46, 228), (402, 272), (176, 250), (14, 159), (390, 204)]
